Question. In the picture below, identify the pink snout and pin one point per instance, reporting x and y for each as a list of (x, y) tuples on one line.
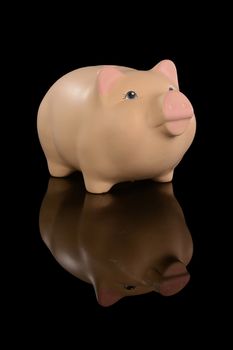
[(177, 111)]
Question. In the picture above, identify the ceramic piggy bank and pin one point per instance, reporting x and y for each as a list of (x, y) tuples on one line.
[(127, 242), (116, 124)]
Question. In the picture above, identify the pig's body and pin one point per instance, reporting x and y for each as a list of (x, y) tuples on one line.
[(87, 122)]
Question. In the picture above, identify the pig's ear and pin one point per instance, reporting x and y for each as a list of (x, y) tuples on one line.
[(107, 76), (168, 68), (107, 297)]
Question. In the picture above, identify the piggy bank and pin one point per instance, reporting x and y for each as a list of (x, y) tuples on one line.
[(128, 242), (116, 124)]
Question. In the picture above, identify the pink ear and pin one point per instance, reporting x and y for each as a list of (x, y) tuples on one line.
[(107, 77), (108, 297), (168, 68)]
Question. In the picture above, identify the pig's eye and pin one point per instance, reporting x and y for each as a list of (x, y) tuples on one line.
[(170, 88), (129, 287), (130, 95)]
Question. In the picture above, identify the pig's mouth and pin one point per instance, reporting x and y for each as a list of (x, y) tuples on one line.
[(176, 126)]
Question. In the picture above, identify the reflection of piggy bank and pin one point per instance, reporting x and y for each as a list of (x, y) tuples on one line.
[(125, 243), (116, 124)]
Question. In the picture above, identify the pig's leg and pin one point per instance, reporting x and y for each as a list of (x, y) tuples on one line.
[(96, 186), (167, 177), (59, 170)]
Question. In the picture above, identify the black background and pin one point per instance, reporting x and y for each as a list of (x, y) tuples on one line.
[(61, 300)]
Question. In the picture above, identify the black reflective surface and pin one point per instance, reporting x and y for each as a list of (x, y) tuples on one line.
[(111, 241), (130, 241)]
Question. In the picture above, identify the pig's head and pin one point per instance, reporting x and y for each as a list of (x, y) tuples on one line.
[(146, 122), (125, 243)]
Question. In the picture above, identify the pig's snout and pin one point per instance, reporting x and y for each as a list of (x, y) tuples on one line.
[(177, 111), (175, 277), (176, 106)]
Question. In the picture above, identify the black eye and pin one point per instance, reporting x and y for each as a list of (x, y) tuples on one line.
[(129, 287), (131, 95)]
